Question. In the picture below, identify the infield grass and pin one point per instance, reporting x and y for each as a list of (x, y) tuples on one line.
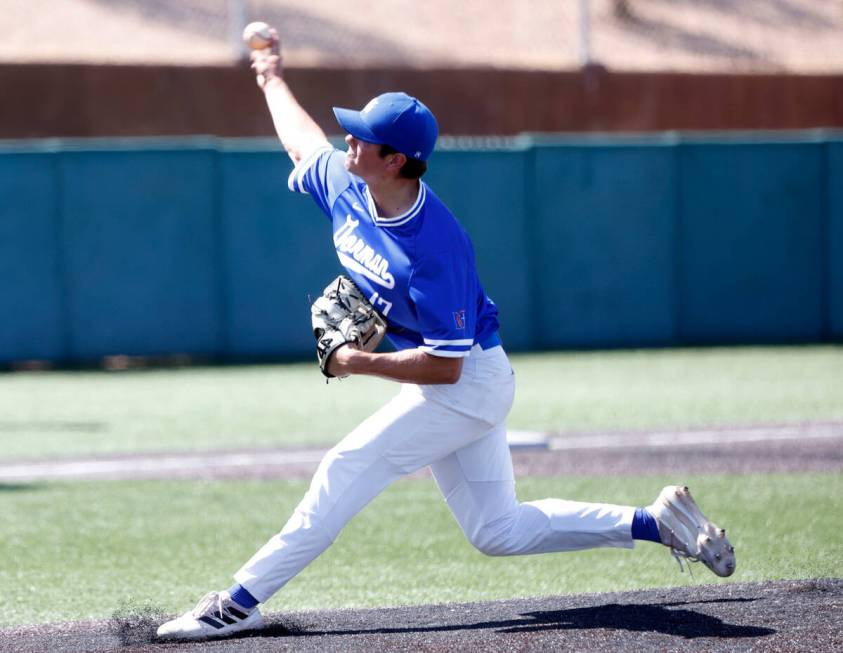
[(72, 413), (77, 551)]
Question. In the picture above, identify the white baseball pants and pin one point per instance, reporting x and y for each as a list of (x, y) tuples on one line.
[(459, 431)]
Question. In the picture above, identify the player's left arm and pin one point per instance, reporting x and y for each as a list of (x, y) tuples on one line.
[(441, 289), (407, 366)]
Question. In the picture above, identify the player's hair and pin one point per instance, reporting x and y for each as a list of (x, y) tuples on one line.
[(412, 169)]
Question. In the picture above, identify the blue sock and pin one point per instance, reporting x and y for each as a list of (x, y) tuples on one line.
[(242, 597), (644, 526)]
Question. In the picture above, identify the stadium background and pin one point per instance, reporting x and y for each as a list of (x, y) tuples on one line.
[(693, 156), (666, 239)]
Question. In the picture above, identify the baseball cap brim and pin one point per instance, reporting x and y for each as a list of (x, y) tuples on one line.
[(352, 122)]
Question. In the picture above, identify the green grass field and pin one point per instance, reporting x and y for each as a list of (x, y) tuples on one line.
[(73, 551), (81, 550), (66, 413)]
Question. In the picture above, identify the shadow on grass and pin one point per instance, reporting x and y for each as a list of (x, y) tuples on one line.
[(684, 623), (51, 426), (20, 487)]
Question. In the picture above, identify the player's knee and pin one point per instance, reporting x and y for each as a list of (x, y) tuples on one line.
[(491, 548), (491, 542)]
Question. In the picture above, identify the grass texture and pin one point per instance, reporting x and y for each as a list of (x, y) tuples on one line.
[(77, 551), (94, 412)]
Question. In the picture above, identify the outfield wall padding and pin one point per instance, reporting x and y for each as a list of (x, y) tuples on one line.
[(751, 221), (141, 252), (834, 249), (196, 246), (33, 320), (603, 244)]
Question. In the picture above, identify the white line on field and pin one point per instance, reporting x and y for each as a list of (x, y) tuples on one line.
[(694, 438), (140, 466)]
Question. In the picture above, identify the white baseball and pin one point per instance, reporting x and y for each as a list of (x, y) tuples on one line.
[(257, 35)]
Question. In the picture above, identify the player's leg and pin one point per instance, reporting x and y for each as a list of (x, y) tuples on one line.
[(479, 487), (402, 437), (350, 475), (407, 434), (477, 482)]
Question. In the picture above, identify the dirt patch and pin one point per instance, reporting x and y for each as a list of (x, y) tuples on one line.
[(741, 458), (773, 616)]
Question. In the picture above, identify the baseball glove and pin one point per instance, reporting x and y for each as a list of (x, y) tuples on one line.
[(343, 315)]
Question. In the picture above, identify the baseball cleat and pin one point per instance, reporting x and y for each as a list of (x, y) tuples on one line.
[(216, 615), (689, 533)]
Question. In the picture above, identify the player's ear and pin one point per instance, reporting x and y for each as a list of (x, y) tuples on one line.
[(395, 161)]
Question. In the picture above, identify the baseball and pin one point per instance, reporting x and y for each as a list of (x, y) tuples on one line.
[(257, 35)]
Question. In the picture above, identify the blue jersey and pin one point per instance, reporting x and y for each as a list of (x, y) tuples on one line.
[(417, 269)]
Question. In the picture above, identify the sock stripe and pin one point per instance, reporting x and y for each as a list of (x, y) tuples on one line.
[(645, 526), (241, 596)]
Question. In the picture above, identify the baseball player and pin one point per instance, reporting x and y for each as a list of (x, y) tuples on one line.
[(407, 254)]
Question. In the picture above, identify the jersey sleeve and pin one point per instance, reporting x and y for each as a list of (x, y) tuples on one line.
[(322, 175), (442, 288)]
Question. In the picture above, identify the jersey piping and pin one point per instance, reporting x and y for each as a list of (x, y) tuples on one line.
[(398, 220), (294, 181)]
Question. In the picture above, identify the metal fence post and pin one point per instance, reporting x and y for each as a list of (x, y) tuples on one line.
[(585, 33), (236, 18)]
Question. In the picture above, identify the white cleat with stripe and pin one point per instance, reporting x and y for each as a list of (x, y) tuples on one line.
[(689, 533), (216, 615)]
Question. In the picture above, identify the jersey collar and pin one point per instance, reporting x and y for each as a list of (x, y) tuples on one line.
[(398, 220)]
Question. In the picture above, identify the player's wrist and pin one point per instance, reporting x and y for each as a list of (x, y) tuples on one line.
[(346, 360), (272, 81)]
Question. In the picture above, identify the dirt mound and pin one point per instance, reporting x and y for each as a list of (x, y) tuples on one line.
[(785, 615)]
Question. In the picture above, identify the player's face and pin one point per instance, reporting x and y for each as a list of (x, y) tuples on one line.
[(364, 159)]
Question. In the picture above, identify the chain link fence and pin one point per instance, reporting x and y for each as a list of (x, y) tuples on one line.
[(691, 35)]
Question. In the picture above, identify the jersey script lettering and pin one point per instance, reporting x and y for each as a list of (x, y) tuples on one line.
[(354, 253)]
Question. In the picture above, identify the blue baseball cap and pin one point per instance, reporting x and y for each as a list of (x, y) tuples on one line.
[(395, 119)]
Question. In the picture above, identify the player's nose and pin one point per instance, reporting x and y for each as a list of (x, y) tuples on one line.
[(350, 139)]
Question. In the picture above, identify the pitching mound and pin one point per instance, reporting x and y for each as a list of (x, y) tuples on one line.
[(785, 615)]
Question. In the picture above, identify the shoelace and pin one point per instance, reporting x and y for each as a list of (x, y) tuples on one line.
[(206, 602), (678, 555)]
